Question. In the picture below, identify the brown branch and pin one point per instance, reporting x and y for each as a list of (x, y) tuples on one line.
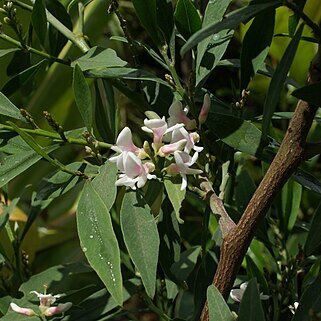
[(286, 161)]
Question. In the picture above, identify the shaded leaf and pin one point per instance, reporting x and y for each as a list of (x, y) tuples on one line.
[(141, 237), (309, 93), (187, 19), (98, 240), (39, 20), (256, 45), (231, 21), (314, 237), (218, 309), (175, 194), (7, 108), (307, 180), (165, 20), (237, 133), (251, 307), (82, 97), (98, 57), (23, 78), (126, 73), (4, 52), (277, 82)]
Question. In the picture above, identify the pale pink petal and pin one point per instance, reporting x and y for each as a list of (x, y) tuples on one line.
[(124, 180), (171, 148), (205, 109), (132, 165), (20, 310), (63, 307), (184, 182), (125, 141)]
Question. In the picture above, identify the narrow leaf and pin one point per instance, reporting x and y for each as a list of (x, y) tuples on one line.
[(277, 82), (98, 57), (218, 309), (256, 45), (4, 52), (141, 238), (39, 20), (175, 195), (314, 237), (83, 97), (7, 108), (251, 307), (187, 19), (309, 93), (231, 21), (164, 15), (98, 240)]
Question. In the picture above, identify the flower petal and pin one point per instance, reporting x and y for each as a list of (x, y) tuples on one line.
[(62, 307), (25, 311)]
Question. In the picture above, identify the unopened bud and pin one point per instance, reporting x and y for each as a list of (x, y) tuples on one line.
[(151, 115), (7, 20), (205, 109)]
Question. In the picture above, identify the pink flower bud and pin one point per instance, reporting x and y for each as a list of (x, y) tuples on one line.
[(24, 311), (205, 109), (62, 307)]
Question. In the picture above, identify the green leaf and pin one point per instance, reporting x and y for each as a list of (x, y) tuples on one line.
[(165, 20), (146, 12), (307, 180), (23, 78), (256, 45), (237, 133), (211, 50), (98, 57), (254, 272), (141, 237), (187, 19), (309, 93), (98, 240), (277, 82), (104, 183), (83, 97), (314, 237), (294, 19), (231, 21), (39, 20), (291, 199), (4, 52), (251, 307), (175, 194), (218, 310), (310, 301), (126, 73), (186, 264), (14, 165), (7, 108)]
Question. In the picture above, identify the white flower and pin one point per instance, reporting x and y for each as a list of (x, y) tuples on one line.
[(173, 147), (134, 172), (237, 294), (182, 163), (25, 311), (294, 307), (191, 139), (159, 128), (178, 115)]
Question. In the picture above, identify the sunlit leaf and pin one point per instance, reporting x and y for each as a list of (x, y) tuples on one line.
[(218, 309), (7, 108), (141, 237), (98, 240)]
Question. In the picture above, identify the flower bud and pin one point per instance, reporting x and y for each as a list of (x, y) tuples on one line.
[(25, 311), (205, 109)]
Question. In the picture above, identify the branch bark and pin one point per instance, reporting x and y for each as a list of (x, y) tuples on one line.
[(286, 161)]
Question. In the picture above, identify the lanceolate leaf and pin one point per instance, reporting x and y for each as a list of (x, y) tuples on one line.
[(98, 240), (98, 57), (277, 81), (187, 19), (211, 50), (251, 307), (175, 195), (256, 45), (141, 238), (218, 309), (314, 237), (309, 93), (231, 21), (39, 20), (7, 108), (4, 52), (146, 12), (83, 97)]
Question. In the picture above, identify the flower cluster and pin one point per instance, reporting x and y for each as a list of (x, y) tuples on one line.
[(172, 140), (45, 305)]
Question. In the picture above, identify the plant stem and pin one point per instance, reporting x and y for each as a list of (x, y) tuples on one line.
[(33, 50), (55, 136)]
